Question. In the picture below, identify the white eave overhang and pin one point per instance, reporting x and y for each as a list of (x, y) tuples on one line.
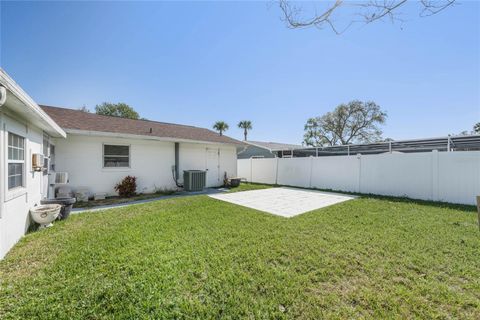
[(19, 103), (139, 137)]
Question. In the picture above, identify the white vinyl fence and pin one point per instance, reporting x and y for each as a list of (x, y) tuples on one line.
[(439, 176)]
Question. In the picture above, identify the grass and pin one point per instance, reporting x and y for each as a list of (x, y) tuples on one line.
[(145, 196), (249, 186), (201, 258), (119, 200)]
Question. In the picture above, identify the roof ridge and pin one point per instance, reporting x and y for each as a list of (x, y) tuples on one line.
[(118, 117), (293, 144), (80, 120)]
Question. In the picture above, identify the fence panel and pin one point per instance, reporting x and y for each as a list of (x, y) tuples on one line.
[(244, 169), (294, 172), (336, 173), (440, 176), (397, 174), (458, 176), (264, 170)]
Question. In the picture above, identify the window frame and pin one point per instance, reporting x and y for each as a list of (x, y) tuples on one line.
[(129, 156), (12, 161), (46, 147)]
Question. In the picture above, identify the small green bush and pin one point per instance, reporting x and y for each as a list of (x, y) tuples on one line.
[(127, 187)]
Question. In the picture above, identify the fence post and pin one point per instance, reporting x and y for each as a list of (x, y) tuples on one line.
[(276, 173), (359, 176), (311, 168), (435, 174), (251, 170), (478, 209)]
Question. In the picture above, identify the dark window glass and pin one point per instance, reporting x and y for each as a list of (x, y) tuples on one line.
[(116, 156), (15, 175), (16, 160)]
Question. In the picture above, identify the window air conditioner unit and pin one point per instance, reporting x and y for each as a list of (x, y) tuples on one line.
[(37, 161), (61, 177)]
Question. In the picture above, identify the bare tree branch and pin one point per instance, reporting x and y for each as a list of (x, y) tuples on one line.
[(368, 11)]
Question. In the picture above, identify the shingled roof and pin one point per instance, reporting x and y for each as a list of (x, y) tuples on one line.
[(79, 120)]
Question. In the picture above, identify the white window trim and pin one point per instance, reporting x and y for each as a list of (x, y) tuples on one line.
[(117, 168), (47, 157), (48, 139), (17, 191)]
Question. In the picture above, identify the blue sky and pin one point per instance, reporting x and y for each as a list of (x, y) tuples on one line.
[(198, 62)]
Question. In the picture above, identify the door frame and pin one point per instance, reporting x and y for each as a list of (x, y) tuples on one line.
[(217, 151)]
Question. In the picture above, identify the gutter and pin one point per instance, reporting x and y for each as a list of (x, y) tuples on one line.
[(140, 137), (3, 98), (3, 95), (13, 88)]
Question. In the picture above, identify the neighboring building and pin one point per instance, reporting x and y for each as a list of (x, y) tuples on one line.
[(96, 151), (101, 150), (259, 149), (469, 142), (24, 130)]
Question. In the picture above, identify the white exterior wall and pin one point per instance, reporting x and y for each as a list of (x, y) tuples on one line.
[(16, 203), (193, 156), (228, 162), (151, 162), (82, 157), (439, 176)]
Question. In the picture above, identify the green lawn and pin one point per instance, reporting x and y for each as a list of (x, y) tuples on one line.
[(200, 258), (249, 186), (120, 200)]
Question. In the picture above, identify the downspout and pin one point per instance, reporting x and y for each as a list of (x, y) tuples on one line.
[(177, 164)]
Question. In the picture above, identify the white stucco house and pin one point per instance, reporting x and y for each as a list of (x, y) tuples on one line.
[(100, 150), (23, 128), (96, 151)]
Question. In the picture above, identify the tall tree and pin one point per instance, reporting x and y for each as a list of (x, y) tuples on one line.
[(354, 122), (245, 125), (331, 13), (476, 128), (84, 109), (220, 126), (121, 109)]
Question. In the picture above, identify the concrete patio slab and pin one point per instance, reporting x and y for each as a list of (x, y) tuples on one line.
[(285, 202)]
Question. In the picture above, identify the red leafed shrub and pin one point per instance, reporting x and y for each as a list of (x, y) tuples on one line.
[(127, 187)]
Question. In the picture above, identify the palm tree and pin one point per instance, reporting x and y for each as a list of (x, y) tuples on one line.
[(220, 126), (245, 125)]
